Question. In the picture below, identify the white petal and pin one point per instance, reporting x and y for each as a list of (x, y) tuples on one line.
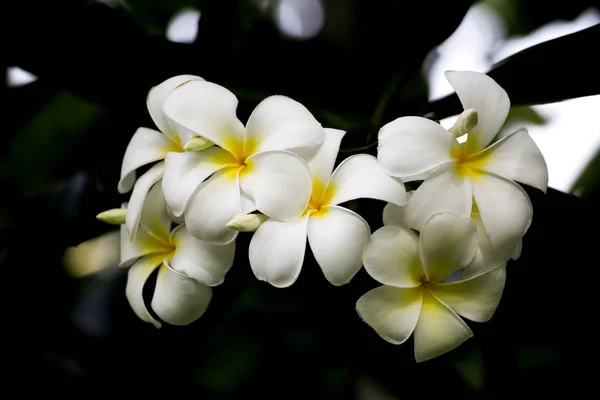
[(146, 146), (136, 279), (156, 217), (392, 257), (439, 329), (475, 298), (518, 247), (280, 123), (486, 257), (360, 176), (393, 214), (277, 249), (481, 93), (518, 158), (321, 165), (337, 237), (184, 172), (207, 263), (208, 110), (143, 244), (216, 202), (448, 242), (443, 191), (157, 96), (504, 208), (179, 299), (411, 146), (392, 312), (279, 182)]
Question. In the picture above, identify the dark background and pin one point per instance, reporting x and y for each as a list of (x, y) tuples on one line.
[(63, 137)]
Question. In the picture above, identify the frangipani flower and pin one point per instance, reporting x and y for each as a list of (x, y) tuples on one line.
[(415, 148), (337, 236), (148, 146), (262, 159), (414, 298), (486, 257), (187, 267)]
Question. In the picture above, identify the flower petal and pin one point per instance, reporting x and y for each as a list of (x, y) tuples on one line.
[(156, 98), (145, 146), (393, 214), (205, 262), (392, 257), (504, 207), (410, 146), (439, 329), (360, 176), (337, 237), (279, 182), (280, 123), (486, 257), (443, 191), (209, 110), (215, 203), (518, 158), (476, 298), (392, 312), (184, 172), (179, 299), (321, 165), (481, 93), (277, 249), (448, 242), (144, 244), (136, 279), (154, 215)]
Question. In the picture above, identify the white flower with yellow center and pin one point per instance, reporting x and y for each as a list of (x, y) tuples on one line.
[(414, 299), (486, 257), (337, 235), (187, 267), (259, 166), (414, 148), (148, 146)]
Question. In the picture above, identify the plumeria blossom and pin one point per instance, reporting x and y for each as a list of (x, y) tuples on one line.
[(415, 148), (337, 235), (486, 257), (417, 298), (187, 267), (259, 166), (148, 146)]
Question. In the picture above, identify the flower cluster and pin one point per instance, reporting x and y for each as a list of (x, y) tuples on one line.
[(441, 253)]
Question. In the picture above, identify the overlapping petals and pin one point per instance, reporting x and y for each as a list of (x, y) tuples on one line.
[(337, 236), (187, 267), (455, 174), (260, 166), (415, 299)]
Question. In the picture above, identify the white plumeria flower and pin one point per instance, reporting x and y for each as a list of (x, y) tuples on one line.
[(486, 257), (414, 297), (148, 146), (337, 236), (414, 148), (187, 267), (262, 159)]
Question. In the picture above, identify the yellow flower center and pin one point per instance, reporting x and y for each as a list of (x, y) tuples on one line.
[(467, 164), (321, 196)]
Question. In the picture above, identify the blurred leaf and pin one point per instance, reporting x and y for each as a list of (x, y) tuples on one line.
[(552, 71), (232, 363), (587, 185), (41, 146), (471, 366), (525, 114)]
